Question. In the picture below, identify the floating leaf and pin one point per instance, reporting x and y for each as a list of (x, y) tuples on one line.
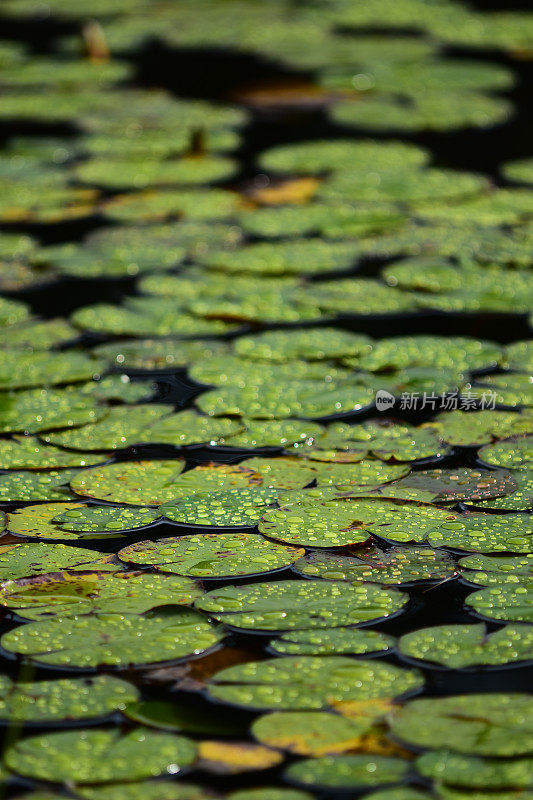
[(21, 486), (481, 724), (99, 756), (22, 370), (121, 427), (104, 518), (489, 570), (520, 170), (233, 758), (310, 733), (299, 257), (65, 699), (473, 771), (68, 594), (143, 790), (281, 473), (460, 646), (401, 442), (212, 555), (512, 602), (134, 482), (12, 312), (519, 355), (37, 334), (513, 453), (117, 640), (519, 500), (510, 388), (34, 558), (121, 173), (315, 345), (461, 483), (37, 521), (330, 524), (367, 472), (348, 772), (230, 508), (309, 682), (456, 352), (158, 353), (161, 205), (485, 533), (27, 452), (337, 641), (269, 793), (466, 429), (170, 716), (44, 409), (297, 605), (398, 565), (286, 433)]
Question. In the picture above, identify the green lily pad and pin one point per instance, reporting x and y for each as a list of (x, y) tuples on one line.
[(118, 389), (281, 472), (162, 205), (286, 433), (337, 641), (426, 111), (519, 500), (467, 429), (299, 605), (485, 533), (37, 410), (208, 478), (158, 353), (211, 555), (512, 453), (12, 312), (231, 508), (367, 472), (144, 790), (21, 486), (117, 640), (497, 570), (493, 724), (348, 771), (510, 388), (37, 521), (403, 793), (456, 352), (27, 452), (519, 355), (236, 370), (34, 558), (311, 733), (134, 482), (329, 524), (461, 483), (519, 171), (37, 334), (473, 771), (395, 566), (269, 793), (64, 74), (401, 442), (69, 594), (156, 142), (123, 173), (65, 699), (362, 156), (460, 646), (513, 602), (104, 518), (121, 427), (315, 345), (309, 682), (99, 756), (358, 296)]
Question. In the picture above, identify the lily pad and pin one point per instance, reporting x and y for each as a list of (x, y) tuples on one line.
[(90, 519), (171, 204), (34, 558), (510, 388), (467, 429), (281, 473), (121, 427), (170, 716), (473, 771), (37, 410), (337, 641), (461, 483), (299, 605), (21, 486), (12, 312), (212, 555), (116, 640), (367, 472), (330, 524), (269, 793), (309, 682), (348, 771), (134, 482), (35, 334), (69, 594), (512, 453), (144, 790), (401, 442), (311, 733), (286, 433), (315, 345), (399, 565), (460, 353), (513, 602), (519, 355), (519, 500), (496, 570), (158, 353), (493, 724), (485, 533), (37, 521), (460, 646), (65, 699), (27, 452), (519, 171), (99, 756), (22, 370)]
